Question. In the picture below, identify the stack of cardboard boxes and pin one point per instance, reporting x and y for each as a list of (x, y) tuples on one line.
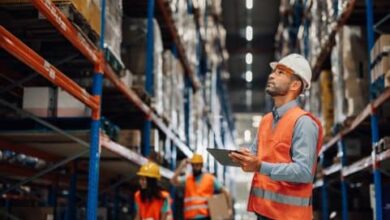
[(380, 58)]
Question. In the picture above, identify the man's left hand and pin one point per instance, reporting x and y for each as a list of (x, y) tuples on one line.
[(247, 161)]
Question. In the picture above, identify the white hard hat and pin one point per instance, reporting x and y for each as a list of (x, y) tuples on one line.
[(299, 65)]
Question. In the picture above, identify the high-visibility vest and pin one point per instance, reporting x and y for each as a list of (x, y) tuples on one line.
[(280, 199), (150, 210), (197, 194)]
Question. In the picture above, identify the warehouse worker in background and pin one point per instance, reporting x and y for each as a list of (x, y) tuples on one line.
[(198, 188), (151, 202), (285, 152)]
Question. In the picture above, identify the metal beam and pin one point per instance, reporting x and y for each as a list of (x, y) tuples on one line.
[(5, 145), (22, 171), (34, 75), (45, 171), (66, 28), (29, 57), (44, 123)]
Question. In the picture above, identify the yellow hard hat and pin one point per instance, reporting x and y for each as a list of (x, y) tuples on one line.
[(196, 158), (149, 169)]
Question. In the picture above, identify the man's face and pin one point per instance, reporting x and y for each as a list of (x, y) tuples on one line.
[(197, 168), (279, 81)]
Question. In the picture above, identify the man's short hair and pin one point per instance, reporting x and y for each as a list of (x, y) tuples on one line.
[(297, 78)]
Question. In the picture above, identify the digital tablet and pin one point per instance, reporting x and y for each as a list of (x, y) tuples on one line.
[(222, 156)]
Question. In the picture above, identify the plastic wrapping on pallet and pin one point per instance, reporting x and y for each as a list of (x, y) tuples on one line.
[(355, 69), (315, 105), (113, 24), (134, 56), (340, 107), (173, 89)]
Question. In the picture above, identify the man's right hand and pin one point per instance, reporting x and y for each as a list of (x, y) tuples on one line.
[(184, 163)]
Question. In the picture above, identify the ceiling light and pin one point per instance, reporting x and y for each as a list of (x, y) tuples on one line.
[(256, 120), (249, 4), (248, 58), (249, 33), (248, 76), (247, 135)]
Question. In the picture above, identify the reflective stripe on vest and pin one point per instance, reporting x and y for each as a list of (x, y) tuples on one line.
[(280, 198), (192, 207), (196, 195), (195, 198)]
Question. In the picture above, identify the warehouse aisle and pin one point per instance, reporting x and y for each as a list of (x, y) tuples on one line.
[(108, 109)]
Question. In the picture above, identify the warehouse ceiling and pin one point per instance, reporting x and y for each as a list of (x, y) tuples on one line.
[(263, 17)]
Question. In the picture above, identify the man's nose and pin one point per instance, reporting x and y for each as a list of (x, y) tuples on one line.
[(271, 76)]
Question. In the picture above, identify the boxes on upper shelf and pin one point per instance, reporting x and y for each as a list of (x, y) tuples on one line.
[(39, 101), (53, 102), (380, 57), (130, 139), (86, 16), (134, 57)]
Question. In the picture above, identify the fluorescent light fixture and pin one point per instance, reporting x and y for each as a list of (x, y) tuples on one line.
[(247, 135), (256, 120), (249, 33), (248, 58), (249, 4), (248, 76)]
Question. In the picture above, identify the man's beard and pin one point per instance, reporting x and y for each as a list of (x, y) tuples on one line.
[(276, 91), (196, 172)]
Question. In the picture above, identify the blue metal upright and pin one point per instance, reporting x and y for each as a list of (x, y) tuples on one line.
[(116, 203), (374, 119), (71, 209), (149, 74), (324, 201), (324, 193), (94, 153), (172, 166), (52, 198), (343, 183)]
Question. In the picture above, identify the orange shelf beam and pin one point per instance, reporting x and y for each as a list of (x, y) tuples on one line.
[(359, 119), (29, 57), (63, 25)]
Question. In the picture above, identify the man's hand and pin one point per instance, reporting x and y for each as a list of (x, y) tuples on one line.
[(184, 163), (247, 161)]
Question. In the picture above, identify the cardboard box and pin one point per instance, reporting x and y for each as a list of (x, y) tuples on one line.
[(69, 106), (130, 139), (387, 79), (39, 101), (33, 213), (218, 207)]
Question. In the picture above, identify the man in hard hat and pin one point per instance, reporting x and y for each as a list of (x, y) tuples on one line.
[(151, 201), (285, 151), (199, 187)]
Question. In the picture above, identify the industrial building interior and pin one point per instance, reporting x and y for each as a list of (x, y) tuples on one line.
[(91, 91)]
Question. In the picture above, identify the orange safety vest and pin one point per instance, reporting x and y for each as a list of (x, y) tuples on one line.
[(280, 199), (150, 210), (197, 194)]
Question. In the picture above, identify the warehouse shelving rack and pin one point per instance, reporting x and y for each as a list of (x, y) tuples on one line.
[(100, 144), (374, 160)]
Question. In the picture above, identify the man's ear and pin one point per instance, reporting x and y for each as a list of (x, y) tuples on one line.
[(296, 85)]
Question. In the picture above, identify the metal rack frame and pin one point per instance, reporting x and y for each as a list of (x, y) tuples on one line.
[(375, 158)]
